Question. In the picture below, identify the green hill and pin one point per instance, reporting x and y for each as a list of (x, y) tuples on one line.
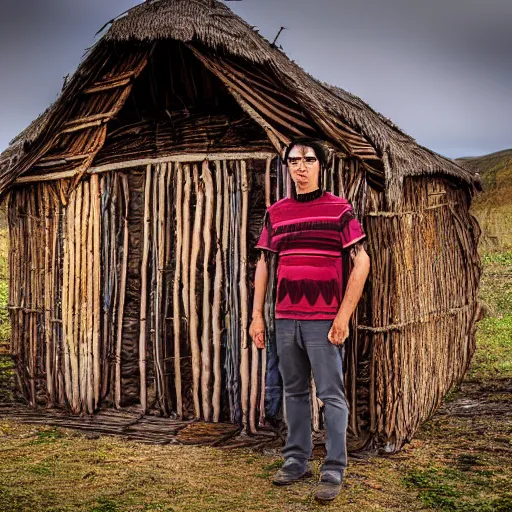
[(493, 206)]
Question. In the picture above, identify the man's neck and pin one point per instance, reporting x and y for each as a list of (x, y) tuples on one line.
[(303, 197)]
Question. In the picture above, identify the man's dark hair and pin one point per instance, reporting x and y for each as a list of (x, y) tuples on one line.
[(317, 147)]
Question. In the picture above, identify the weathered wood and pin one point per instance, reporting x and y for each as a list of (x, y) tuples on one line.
[(122, 290), (244, 360), (144, 291), (217, 296), (96, 278), (206, 362), (226, 227), (185, 254), (48, 296), (176, 289), (84, 354), (194, 318), (156, 285), (89, 302), (65, 306), (73, 304)]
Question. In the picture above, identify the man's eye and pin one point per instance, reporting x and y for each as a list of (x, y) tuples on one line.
[(293, 160), (310, 159)]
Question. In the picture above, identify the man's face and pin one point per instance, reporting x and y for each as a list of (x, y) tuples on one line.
[(304, 168)]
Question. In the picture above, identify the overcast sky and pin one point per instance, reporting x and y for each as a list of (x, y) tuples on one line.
[(440, 69)]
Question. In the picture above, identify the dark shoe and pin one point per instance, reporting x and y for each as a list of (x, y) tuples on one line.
[(291, 471), (329, 486)]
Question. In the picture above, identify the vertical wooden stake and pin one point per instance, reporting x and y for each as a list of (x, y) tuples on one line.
[(73, 305), (156, 284), (194, 320), (217, 297), (185, 255), (244, 368), (122, 294), (48, 296), (268, 183), (89, 306), (65, 305), (205, 336), (144, 291), (341, 187), (96, 277), (176, 291), (85, 368)]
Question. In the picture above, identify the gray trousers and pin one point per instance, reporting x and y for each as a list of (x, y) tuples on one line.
[(302, 346)]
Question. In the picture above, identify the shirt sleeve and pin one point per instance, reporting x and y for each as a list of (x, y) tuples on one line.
[(265, 240), (352, 232)]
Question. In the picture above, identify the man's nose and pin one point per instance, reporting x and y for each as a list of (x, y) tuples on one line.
[(302, 165)]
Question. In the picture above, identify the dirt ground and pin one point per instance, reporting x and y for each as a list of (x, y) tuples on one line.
[(460, 460)]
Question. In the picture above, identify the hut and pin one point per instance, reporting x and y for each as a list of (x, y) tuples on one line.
[(136, 199)]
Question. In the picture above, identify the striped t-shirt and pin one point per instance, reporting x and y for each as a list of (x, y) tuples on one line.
[(309, 234)]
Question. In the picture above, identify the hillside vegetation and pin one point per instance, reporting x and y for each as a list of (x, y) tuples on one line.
[(493, 206)]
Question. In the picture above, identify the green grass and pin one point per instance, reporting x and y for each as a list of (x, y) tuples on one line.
[(493, 206), (456, 489), (493, 358)]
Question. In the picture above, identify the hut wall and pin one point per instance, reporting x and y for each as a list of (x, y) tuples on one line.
[(93, 293), (137, 291), (416, 327)]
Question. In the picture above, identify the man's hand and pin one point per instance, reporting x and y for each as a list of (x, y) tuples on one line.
[(257, 330), (339, 331)]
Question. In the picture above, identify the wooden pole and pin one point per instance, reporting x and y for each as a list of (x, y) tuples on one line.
[(48, 296), (176, 291), (226, 256), (96, 277), (73, 303), (156, 285), (84, 366), (267, 182), (244, 365), (31, 261), (56, 304), (160, 307), (194, 320), (205, 337), (144, 291), (112, 188), (65, 305), (89, 305), (85, 369), (341, 186), (185, 255), (217, 297), (122, 293), (78, 298)]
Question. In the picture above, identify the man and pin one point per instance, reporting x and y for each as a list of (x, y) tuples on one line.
[(309, 232)]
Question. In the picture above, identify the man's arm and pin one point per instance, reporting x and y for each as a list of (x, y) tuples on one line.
[(257, 327), (354, 289)]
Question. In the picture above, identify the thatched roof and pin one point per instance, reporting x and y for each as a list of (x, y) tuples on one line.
[(211, 26)]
